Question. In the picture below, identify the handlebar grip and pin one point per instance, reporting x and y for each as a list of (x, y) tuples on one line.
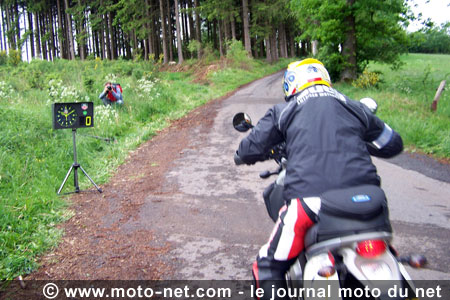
[(265, 174)]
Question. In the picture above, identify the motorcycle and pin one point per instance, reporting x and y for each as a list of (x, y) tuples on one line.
[(351, 244)]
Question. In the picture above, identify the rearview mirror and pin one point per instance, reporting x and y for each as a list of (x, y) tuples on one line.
[(242, 122)]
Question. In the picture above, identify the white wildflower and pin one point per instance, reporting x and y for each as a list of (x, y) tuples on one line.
[(61, 93), (105, 116), (5, 90), (147, 89)]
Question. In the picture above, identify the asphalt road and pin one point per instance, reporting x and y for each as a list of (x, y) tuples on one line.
[(223, 218)]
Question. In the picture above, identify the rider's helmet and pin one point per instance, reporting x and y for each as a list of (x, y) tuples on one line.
[(302, 74)]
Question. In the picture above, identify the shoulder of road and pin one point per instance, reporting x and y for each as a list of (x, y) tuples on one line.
[(423, 164)]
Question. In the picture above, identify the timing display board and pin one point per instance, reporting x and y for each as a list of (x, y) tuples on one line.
[(73, 115)]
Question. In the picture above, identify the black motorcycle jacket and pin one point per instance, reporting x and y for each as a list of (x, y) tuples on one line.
[(329, 140)]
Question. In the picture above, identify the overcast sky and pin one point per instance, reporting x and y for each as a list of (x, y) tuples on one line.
[(437, 10)]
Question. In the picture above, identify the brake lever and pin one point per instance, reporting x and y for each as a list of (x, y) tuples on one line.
[(267, 174)]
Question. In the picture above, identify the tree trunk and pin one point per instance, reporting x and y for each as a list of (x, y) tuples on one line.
[(26, 30), (17, 21), (102, 34), (82, 34), (135, 43), (179, 43), (163, 29), (274, 47), (283, 41), (315, 47), (268, 43), (170, 41), (37, 35), (60, 27), (184, 25), (112, 36), (226, 29), (155, 34), (291, 40), (9, 30), (149, 27), (198, 34), (221, 38), (349, 46), (214, 34), (108, 37), (69, 31), (30, 24), (3, 31), (127, 46), (303, 50), (51, 42), (246, 19), (43, 41), (233, 28), (191, 21)]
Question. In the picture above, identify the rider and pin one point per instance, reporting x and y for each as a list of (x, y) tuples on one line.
[(329, 139)]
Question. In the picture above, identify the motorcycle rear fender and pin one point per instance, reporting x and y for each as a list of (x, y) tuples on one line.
[(406, 276), (353, 263)]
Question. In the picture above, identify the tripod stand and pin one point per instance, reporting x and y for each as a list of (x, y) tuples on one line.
[(75, 167)]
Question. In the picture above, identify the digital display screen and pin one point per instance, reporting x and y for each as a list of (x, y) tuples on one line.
[(73, 115)]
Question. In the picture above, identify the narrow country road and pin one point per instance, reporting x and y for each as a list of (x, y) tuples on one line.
[(216, 220)]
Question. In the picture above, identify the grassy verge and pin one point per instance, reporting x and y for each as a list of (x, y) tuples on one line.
[(34, 158), (405, 96)]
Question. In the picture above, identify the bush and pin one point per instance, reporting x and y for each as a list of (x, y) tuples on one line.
[(88, 83), (3, 58), (15, 57), (137, 74), (237, 53), (209, 55), (367, 79), (193, 47)]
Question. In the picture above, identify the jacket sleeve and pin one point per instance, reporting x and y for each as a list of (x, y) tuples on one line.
[(102, 95), (382, 140), (256, 146), (116, 93)]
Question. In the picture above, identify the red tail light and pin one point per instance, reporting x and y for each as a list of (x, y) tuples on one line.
[(371, 248)]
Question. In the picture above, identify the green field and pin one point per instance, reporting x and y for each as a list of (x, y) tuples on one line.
[(405, 96), (34, 158)]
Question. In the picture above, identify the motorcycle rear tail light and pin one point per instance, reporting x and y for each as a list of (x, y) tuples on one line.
[(371, 248)]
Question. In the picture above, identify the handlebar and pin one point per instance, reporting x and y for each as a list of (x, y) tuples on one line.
[(278, 152)]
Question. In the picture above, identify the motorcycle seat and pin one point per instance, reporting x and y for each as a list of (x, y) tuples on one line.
[(350, 211)]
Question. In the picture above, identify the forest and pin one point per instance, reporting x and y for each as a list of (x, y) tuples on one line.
[(148, 29), (345, 34)]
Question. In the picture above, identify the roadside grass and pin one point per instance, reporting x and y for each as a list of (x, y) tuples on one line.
[(34, 158), (404, 99)]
